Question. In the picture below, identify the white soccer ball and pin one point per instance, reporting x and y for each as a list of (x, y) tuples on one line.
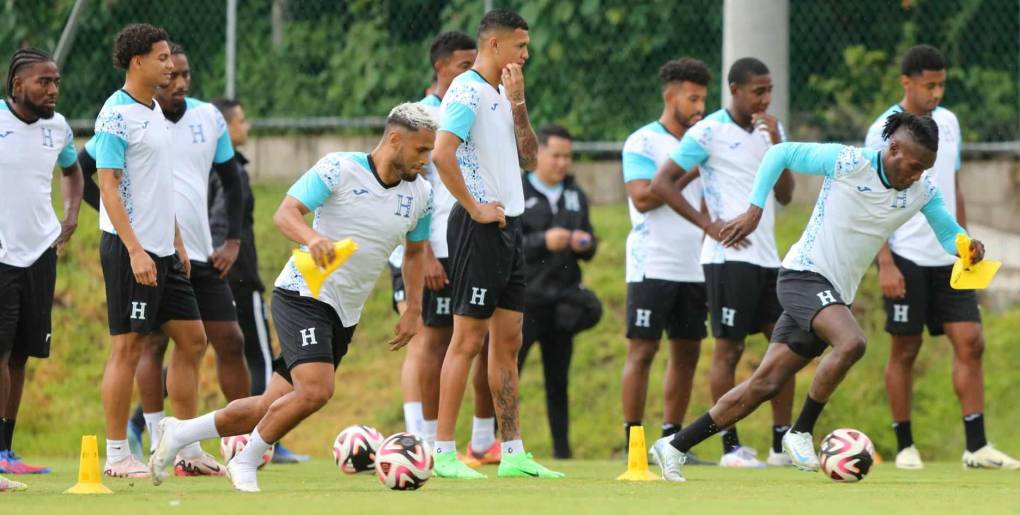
[(846, 455), (231, 446), (354, 449), (404, 462)]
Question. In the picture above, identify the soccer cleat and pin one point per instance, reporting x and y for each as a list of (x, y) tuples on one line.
[(128, 467), (669, 459), (909, 459), (10, 485), (523, 465), (778, 459), (446, 465), (162, 457), (242, 477), (989, 457), (205, 465), (10, 463), (741, 457), (282, 454), (469, 460), (801, 450), (491, 456)]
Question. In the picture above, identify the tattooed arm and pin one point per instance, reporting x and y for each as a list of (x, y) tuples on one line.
[(527, 142)]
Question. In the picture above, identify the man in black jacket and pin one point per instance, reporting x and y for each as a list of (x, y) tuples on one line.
[(557, 233)]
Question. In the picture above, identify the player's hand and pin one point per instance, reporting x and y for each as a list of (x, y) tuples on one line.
[(435, 276), (557, 239), (738, 229), (489, 212), (890, 280), (322, 251), (768, 123), (580, 241), (143, 267), (224, 257), (182, 254), (407, 327), (67, 228), (977, 251), (513, 82)]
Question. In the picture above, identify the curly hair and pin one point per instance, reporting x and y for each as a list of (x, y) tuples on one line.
[(921, 58), (686, 69), (134, 40)]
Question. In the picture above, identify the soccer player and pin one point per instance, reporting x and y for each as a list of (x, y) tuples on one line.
[(485, 138), (665, 282), (727, 146), (33, 137), (144, 259), (914, 276), (375, 199), (865, 196)]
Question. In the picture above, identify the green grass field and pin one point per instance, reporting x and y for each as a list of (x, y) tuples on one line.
[(318, 487)]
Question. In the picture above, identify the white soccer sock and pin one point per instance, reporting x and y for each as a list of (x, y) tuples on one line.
[(251, 455), (413, 417), (446, 447), (483, 434), (117, 450), (152, 426), (195, 430), (429, 428), (513, 447)]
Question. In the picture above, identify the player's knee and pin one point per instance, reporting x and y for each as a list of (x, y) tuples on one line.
[(230, 345), (851, 348), (972, 349), (642, 353), (764, 388), (316, 396), (728, 355), (687, 355), (126, 354)]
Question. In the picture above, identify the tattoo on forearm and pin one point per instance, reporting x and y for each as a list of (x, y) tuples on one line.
[(506, 406), (527, 142)]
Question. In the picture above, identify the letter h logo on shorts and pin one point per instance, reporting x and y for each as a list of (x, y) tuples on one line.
[(404, 205), (826, 297), (901, 313), (478, 296), (308, 337), (642, 317), (728, 316), (442, 305), (138, 310)]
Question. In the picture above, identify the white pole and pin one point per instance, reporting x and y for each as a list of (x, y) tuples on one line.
[(70, 30), (761, 29), (487, 5), (231, 48)]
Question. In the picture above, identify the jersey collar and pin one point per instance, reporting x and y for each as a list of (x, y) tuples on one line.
[(18, 116), (480, 76), (880, 169), (375, 173), (150, 106)]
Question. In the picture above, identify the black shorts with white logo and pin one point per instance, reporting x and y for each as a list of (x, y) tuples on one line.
[(26, 306), (309, 331), (215, 300), (656, 305), (487, 264), (397, 282), (741, 298), (437, 305), (930, 301), (802, 295), (134, 308)]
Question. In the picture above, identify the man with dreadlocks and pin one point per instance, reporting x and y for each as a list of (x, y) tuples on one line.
[(33, 136), (866, 195)]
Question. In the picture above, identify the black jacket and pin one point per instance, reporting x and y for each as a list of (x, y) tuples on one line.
[(550, 273), (245, 271)]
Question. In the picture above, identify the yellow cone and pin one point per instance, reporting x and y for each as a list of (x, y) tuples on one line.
[(637, 458), (88, 469), (315, 276), (967, 276)]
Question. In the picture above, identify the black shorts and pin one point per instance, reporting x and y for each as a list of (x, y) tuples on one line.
[(133, 308), (741, 298), (657, 305), (215, 300), (930, 301), (26, 306), (487, 264), (309, 331), (436, 305), (803, 295), (397, 282)]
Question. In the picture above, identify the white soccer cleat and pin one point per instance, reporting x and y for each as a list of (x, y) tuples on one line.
[(989, 457), (669, 459), (909, 459), (801, 450), (128, 467), (204, 465), (778, 459), (10, 485), (741, 457), (163, 456), (242, 477)]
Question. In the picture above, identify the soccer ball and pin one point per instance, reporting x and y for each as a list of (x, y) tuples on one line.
[(354, 449), (231, 446), (846, 455), (404, 462)]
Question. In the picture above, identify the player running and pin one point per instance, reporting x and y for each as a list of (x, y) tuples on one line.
[(866, 195), (914, 276), (375, 200), (33, 137)]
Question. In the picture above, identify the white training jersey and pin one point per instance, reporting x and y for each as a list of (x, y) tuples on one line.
[(916, 240), (200, 139), (28, 151), (349, 200), (728, 157), (480, 115), (135, 138), (661, 244)]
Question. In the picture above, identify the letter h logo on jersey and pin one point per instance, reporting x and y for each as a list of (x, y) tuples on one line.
[(47, 137), (197, 134), (404, 205)]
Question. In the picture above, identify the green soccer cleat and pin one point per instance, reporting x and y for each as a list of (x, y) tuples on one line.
[(523, 465), (446, 465)]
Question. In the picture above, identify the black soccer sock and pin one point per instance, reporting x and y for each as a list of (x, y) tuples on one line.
[(808, 416), (669, 429), (138, 418), (974, 427), (695, 433), (626, 433), (9, 434), (777, 437), (3, 435), (904, 436), (730, 440)]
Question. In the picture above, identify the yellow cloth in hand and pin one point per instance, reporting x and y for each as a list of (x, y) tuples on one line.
[(967, 276), (315, 276)]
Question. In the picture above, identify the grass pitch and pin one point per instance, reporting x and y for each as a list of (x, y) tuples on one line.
[(317, 487)]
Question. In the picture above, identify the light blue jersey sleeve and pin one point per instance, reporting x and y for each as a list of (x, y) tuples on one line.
[(459, 109), (942, 222), (691, 152), (110, 140), (68, 156), (318, 183), (828, 159), (224, 148), (423, 228), (637, 167)]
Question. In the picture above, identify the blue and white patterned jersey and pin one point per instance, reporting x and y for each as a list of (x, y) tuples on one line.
[(28, 224), (135, 138), (349, 200), (661, 244)]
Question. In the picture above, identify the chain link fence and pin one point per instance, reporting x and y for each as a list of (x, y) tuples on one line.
[(324, 65)]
